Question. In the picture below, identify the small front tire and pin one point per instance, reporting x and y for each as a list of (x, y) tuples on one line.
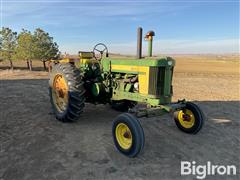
[(128, 135), (190, 119)]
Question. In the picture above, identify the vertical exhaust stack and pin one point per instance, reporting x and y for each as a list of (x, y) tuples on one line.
[(139, 43)]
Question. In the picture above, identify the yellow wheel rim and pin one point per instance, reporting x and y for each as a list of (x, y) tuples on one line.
[(186, 118), (60, 92), (124, 136)]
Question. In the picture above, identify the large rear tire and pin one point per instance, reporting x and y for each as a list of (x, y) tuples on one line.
[(66, 92)]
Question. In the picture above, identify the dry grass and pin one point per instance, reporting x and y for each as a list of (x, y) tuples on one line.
[(187, 64)]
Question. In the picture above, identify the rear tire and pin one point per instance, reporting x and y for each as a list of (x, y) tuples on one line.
[(67, 102), (128, 135)]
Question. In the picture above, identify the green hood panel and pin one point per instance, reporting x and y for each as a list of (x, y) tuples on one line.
[(162, 61)]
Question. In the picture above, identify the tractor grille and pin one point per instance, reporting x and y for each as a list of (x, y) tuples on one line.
[(156, 81)]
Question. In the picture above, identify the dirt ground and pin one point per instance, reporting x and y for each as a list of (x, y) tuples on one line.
[(35, 146)]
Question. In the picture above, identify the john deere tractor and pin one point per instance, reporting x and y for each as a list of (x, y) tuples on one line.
[(140, 87)]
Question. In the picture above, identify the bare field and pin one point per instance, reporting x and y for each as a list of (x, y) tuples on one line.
[(34, 146)]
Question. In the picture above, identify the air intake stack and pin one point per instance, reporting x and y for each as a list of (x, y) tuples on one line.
[(149, 37)]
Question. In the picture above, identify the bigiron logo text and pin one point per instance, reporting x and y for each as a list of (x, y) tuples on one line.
[(209, 169)]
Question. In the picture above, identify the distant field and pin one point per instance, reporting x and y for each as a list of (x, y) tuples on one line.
[(193, 64), (208, 64), (196, 77)]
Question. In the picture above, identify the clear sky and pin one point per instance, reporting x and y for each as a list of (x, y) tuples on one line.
[(200, 26)]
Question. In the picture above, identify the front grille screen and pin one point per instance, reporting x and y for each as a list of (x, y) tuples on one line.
[(156, 81)]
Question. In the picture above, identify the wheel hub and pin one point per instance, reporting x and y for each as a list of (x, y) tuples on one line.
[(60, 92), (126, 134), (123, 136), (186, 118)]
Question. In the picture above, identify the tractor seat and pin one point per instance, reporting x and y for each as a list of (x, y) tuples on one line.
[(85, 54)]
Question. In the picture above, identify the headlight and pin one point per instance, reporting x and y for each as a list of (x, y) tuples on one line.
[(169, 63)]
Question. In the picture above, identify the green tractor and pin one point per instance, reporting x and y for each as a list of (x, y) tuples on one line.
[(126, 84)]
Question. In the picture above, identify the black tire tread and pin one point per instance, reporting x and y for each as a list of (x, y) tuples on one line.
[(76, 97), (136, 130), (199, 118)]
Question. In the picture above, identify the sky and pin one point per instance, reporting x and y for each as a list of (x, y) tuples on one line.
[(181, 27)]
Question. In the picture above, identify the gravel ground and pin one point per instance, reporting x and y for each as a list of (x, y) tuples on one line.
[(35, 146)]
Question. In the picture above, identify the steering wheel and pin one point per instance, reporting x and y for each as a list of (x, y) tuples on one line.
[(98, 51)]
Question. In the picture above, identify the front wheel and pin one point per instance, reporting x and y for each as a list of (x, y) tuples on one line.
[(190, 119), (128, 135)]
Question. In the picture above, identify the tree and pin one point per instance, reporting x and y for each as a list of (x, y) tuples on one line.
[(45, 48), (26, 47), (8, 43)]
